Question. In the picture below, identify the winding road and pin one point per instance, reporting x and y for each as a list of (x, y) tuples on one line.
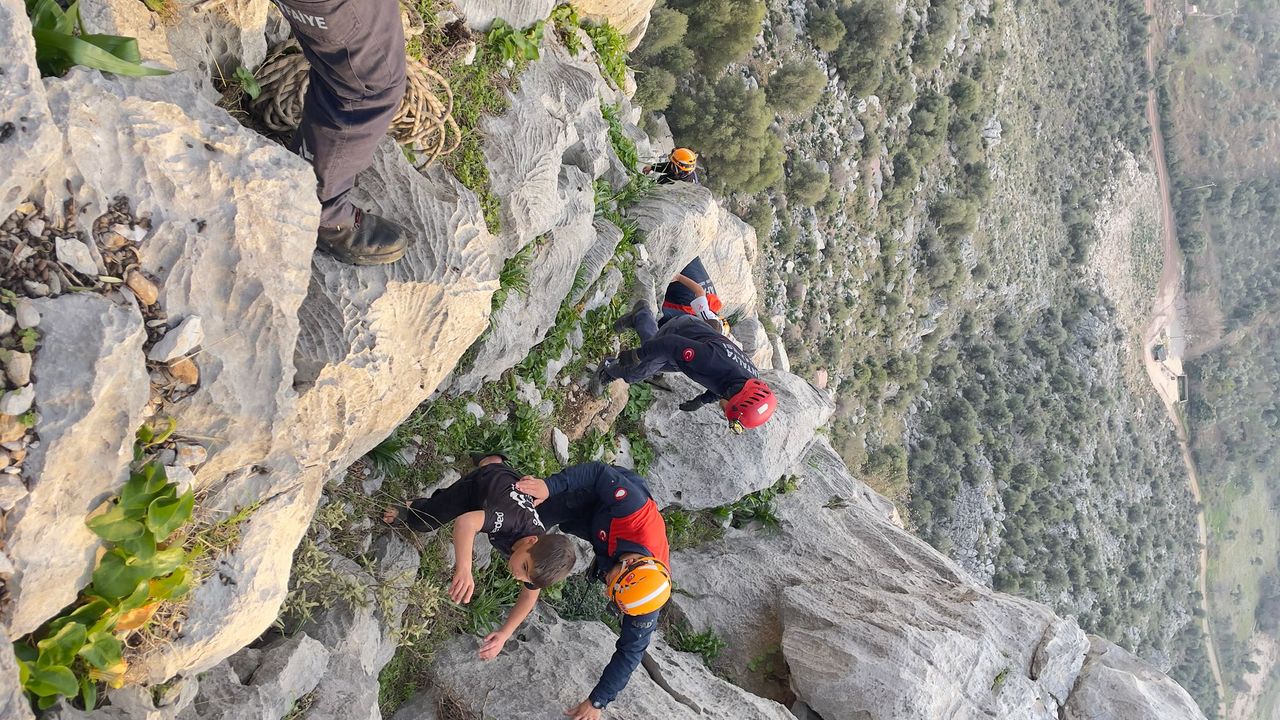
[(1166, 323)]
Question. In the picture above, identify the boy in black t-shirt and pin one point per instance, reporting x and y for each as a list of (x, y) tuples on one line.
[(486, 501)]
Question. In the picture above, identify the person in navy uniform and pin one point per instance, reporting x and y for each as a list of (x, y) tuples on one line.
[(611, 508)]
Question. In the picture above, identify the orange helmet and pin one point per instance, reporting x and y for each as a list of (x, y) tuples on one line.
[(751, 407), (643, 586), (684, 158)]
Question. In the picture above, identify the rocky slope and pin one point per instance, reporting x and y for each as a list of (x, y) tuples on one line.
[(305, 364)]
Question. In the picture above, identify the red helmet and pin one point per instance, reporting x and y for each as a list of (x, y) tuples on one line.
[(752, 406)]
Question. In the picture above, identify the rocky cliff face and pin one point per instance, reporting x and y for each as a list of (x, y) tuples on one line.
[(305, 364)]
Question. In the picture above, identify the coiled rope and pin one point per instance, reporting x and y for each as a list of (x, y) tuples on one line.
[(424, 121)]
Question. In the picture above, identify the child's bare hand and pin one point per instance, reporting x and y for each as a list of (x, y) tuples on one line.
[(532, 486), (493, 644), (462, 587), (390, 515)]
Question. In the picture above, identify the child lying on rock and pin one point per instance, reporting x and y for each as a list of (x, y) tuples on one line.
[(486, 501)]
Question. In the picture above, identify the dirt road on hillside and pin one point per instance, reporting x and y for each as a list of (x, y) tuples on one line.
[(1166, 325)]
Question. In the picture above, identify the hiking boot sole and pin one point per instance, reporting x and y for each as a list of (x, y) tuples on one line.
[(353, 259)]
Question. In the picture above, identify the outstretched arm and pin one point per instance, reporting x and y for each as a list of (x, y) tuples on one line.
[(464, 538), (494, 641), (693, 286), (637, 631)]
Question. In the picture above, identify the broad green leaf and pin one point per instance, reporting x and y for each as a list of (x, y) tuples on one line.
[(172, 586), (168, 514), (145, 433), (101, 651), (248, 82), (25, 652), (46, 702), (24, 672), (135, 619), (115, 525), (143, 487), (136, 599), (88, 693), (96, 614), (141, 547), (125, 48), (44, 14), (115, 578), (60, 49), (163, 562), (61, 648), (171, 424)]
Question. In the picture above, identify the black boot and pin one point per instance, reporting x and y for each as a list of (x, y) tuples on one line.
[(370, 240), (626, 321)]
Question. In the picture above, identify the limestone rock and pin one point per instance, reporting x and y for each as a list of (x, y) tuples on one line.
[(630, 17), (26, 314), (6, 323), (751, 335), (29, 143), (18, 368), (17, 402), (361, 640), (92, 355), (520, 14), (555, 116), (231, 238), (179, 341), (13, 703), (263, 684), (1115, 685), (75, 254), (559, 661), (679, 222), (200, 41), (1057, 661), (142, 287), (782, 361), (560, 444), (734, 586), (698, 464)]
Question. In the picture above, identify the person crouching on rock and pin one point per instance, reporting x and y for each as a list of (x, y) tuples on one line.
[(691, 292), (611, 508), (487, 501), (697, 348), (681, 166)]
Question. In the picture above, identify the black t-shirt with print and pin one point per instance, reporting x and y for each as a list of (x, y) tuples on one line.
[(508, 513)]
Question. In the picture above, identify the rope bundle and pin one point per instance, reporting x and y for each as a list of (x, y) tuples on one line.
[(424, 121)]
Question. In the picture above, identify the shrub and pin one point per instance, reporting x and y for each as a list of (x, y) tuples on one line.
[(931, 44), (873, 29), (729, 123), (654, 88), (807, 182), (795, 87), (825, 30), (666, 30), (721, 30)]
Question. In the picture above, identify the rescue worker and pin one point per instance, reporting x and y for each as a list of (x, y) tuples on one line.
[(680, 166), (691, 292), (486, 501), (699, 349), (611, 508), (357, 79)]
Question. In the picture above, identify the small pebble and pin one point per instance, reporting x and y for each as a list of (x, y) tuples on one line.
[(34, 227), (26, 208), (185, 371), (168, 456), (36, 289), (4, 460), (142, 287), (18, 368), (11, 470), (113, 240), (6, 323), (190, 455), (55, 284), (76, 255), (16, 402), (27, 315), (178, 341), (16, 456), (14, 445), (11, 432)]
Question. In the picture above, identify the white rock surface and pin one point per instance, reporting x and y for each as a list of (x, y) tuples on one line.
[(480, 14), (630, 17), (13, 703), (699, 464), (560, 445), (75, 254), (18, 368), (30, 142), (17, 402), (1115, 685), (26, 314), (92, 354), (260, 684), (179, 341), (559, 661)]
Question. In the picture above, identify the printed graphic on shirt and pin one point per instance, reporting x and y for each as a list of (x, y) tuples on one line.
[(508, 513)]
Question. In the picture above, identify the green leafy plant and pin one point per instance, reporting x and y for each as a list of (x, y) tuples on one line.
[(514, 276), (611, 50), (495, 591), (28, 338), (705, 643), (248, 82), (144, 565), (512, 44), (61, 43), (566, 21), (386, 457)]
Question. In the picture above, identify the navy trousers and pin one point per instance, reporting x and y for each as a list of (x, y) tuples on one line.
[(357, 79)]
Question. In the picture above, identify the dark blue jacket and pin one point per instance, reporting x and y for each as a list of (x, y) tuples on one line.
[(694, 348), (611, 508)]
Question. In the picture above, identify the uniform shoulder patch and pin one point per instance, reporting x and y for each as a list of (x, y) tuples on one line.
[(619, 494), (687, 354)]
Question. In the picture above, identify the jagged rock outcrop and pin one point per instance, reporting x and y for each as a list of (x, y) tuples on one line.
[(92, 390), (630, 17), (699, 464), (480, 14), (13, 703), (559, 661), (1115, 685), (259, 684), (28, 140), (198, 40)]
